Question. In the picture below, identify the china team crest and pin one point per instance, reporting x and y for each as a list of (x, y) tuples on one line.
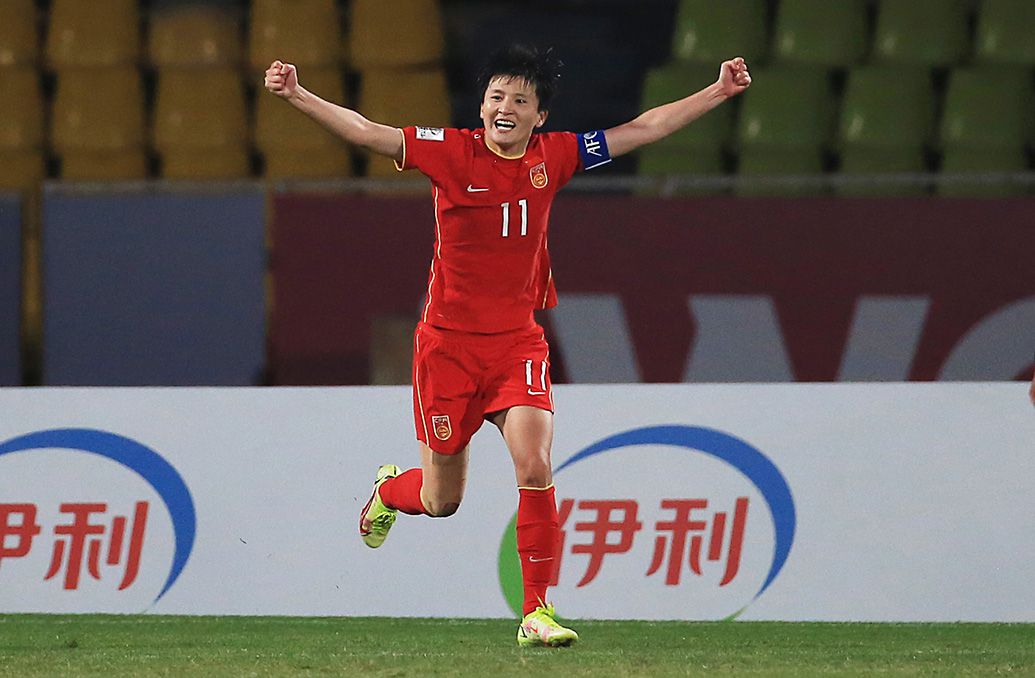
[(442, 428), (538, 175)]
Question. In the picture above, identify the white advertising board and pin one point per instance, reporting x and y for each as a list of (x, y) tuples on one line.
[(793, 502)]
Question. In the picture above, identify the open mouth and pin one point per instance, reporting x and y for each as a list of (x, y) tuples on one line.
[(505, 125)]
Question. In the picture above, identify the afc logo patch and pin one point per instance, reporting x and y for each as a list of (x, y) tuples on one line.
[(440, 422), (431, 134), (538, 175)]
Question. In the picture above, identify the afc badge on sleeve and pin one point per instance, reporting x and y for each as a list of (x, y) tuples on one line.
[(431, 134), (538, 175), (440, 422)]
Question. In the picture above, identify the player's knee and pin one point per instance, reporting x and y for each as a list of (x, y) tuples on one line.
[(443, 509)]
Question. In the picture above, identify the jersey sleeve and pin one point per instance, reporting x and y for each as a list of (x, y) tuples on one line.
[(563, 148), (430, 150)]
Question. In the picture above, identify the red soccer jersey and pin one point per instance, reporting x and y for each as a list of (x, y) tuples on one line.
[(490, 267)]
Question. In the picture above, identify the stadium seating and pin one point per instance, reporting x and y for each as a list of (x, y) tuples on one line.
[(785, 124), (201, 123), (21, 109), (403, 97), (97, 124), (820, 32), (707, 31), (669, 83), (306, 33), (986, 127), (976, 161), (777, 163), (194, 35), (92, 34), (787, 107), (696, 149), (23, 169), (929, 32), (294, 146), (987, 108), (886, 124), (19, 41), (1004, 32), (395, 34)]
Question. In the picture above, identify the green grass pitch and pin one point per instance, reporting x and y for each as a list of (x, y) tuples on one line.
[(110, 645)]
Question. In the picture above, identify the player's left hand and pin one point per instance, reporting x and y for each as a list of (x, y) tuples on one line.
[(734, 77), (1031, 391)]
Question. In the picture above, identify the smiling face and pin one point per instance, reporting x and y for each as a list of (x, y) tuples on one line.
[(510, 112)]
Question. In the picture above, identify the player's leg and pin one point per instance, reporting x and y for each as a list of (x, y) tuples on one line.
[(446, 415), (528, 432)]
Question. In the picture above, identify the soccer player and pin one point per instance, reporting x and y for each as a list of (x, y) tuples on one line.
[(478, 353)]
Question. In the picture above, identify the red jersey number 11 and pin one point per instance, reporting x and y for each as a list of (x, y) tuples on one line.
[(524, 217)]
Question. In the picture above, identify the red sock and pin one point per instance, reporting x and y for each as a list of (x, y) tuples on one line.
[(538, 536), (403, 492)]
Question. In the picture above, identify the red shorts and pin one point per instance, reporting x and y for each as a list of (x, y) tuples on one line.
[(460, 378)]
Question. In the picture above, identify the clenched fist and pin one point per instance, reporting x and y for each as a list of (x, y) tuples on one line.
[(282, 79), (734, 77)]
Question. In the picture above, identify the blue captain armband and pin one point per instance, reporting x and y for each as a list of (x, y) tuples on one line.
[(593, 149)]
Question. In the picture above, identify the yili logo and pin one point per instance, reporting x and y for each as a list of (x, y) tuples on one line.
[(664, 522), (78, 533)]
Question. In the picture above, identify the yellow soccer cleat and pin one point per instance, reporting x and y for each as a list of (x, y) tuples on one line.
[(539, 628), (376, 519)]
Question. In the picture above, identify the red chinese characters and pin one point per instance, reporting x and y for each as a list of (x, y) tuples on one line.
[(683, 540), (84, 539)]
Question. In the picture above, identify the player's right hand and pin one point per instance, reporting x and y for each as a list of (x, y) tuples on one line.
[(282, 79)]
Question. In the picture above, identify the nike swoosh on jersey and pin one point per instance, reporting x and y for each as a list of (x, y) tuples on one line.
[(472, 189), (533, 559)]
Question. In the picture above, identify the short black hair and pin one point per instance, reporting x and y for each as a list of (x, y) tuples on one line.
[(538, 67)]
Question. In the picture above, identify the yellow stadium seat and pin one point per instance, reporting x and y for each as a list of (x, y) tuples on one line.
[(292, 145), (116, 165), (19, 41), (200, 108), (401, 98), (98, 110), (205, 163), (21, 108), (393, 34), (22, 169), (301, 32), (405, 97), (332, 162), (92, 34), (194, 35)]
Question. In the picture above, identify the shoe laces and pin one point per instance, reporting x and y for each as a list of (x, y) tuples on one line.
[(382, 522)]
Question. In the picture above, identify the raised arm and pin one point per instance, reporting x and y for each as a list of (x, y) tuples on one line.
[(282, 80), (657, 123)]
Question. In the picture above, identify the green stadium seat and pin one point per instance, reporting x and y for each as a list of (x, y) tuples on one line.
[(777, 162), (877, 161), (987, 108), (707, 31), (787, 107), (654, 161), (1004, 32), (930, 32), (820, 32), (889, 108), (976, 161), (669, 83)]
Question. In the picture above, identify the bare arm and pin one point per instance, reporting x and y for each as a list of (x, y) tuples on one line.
[(282, 80), (657, 123)]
